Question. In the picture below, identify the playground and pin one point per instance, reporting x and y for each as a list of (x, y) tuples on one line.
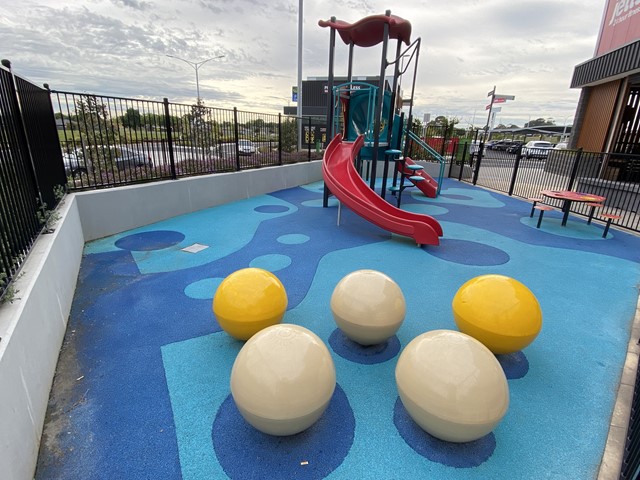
[(144, 381), (144, 386)]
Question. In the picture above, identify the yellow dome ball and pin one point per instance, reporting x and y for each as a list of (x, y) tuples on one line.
[(249, 300), (499, 311)]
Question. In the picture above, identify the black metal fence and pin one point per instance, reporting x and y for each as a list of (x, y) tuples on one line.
[(611, 175), (109, 141), (29, 180)]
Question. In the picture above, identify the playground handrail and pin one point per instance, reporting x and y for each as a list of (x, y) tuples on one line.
[(412, 136)]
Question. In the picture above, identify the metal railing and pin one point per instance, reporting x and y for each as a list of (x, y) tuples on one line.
[(111, 141), (613, 176), (28, 178)]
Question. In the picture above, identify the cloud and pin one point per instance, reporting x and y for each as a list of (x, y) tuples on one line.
[(119, 47)]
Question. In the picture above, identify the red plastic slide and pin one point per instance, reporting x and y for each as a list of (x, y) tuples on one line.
[(344, 182), (428, 186)]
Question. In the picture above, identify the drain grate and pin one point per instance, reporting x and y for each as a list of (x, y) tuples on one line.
[(195, 248)]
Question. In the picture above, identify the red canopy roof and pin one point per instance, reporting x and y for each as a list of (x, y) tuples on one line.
[(370, 30)]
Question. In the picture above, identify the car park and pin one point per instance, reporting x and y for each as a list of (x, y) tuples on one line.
[(536, 149)]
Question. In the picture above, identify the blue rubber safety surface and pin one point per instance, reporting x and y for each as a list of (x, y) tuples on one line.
[(148, 396)]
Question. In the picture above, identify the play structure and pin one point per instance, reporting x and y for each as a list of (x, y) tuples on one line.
[(367, 119), (344, 181)]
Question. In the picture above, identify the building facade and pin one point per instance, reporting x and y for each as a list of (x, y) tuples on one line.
[(608, 114)]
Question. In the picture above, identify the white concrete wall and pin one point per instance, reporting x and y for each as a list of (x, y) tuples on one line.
[(32, 327), (109, 211)]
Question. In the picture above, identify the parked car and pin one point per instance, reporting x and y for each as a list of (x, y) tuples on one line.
[(73, 165), (246, 147), (561, 146), (128, 158), (515, 146), (228, 150), (489, 145), (502, 145), (80, 160), (536, 149)]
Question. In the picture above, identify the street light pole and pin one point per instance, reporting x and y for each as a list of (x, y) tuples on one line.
[(196, 66), (564, 130), (299, 109)]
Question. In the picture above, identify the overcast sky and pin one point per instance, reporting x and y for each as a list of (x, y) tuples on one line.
[(527, 48)]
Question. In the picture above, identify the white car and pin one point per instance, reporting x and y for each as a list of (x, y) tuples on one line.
[(537, 149), (246, 147), (228, 150), (561, 146)]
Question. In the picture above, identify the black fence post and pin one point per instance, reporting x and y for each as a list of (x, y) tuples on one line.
[(167, 126), (476, 169), (309, 141), (21, 129), (574, 169), (516, 166), (464, 155), (235, 133), (279, 139)]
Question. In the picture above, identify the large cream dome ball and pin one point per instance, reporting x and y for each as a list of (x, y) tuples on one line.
[(452, 385), (283, 379), (368, 306)]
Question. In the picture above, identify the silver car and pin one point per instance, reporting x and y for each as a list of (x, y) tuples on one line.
[(536, 149)]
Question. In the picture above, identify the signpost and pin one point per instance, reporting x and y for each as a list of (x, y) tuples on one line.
[(494, 99)]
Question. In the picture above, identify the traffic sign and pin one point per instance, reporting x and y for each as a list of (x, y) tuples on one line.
[(503, 98), (499, 100)]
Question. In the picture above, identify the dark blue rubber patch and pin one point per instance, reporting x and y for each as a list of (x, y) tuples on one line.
[(453, 196), (271, 209), (246, 453), (366, 355), (459, 455), (515, 365), (147, 241), (465, 252)]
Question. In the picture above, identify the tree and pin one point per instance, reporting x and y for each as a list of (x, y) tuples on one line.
[(198, 126), (289, 135), (539, 122), (132, 119), (98, 134)]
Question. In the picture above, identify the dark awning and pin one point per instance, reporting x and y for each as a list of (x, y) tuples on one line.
[(613, 65)]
